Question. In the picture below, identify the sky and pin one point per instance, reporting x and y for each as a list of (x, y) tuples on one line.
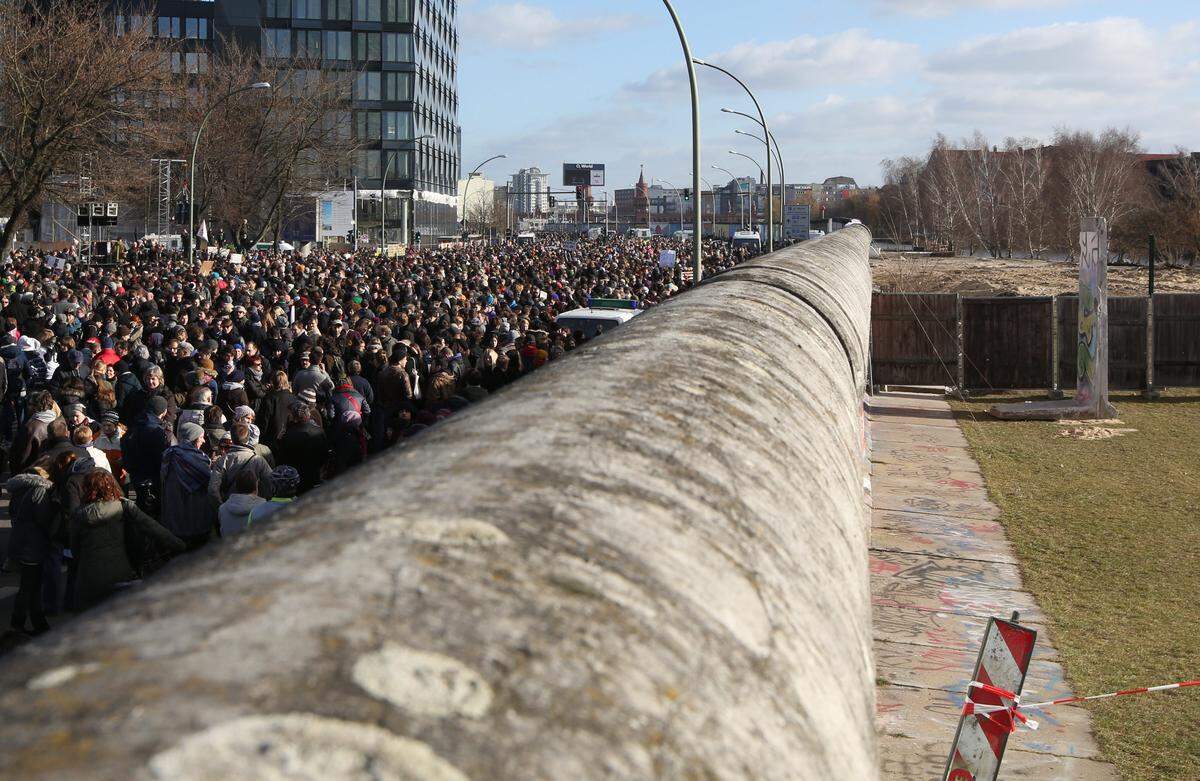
[(844, 85)]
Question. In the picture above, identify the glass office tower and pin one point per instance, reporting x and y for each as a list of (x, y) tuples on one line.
[(404, 105)]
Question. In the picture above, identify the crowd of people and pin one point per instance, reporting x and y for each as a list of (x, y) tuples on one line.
[(151, 406)]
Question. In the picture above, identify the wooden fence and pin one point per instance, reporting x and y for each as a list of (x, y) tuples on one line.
[(985, 343)]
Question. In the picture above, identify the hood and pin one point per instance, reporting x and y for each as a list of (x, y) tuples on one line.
[(241, 504), (21, 483), (99, 513)]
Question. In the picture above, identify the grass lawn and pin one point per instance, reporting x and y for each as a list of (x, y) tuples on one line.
[(1108, 535)]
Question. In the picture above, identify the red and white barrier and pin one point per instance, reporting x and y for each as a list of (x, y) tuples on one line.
[(987, 721)]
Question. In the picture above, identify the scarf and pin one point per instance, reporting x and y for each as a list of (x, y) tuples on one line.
[(192, 466), (45, 416)]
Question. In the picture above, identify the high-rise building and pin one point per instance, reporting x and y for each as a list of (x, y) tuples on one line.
[(403, 107), (530, 192)]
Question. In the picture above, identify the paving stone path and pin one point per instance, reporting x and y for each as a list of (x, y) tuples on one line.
[(940, 566)]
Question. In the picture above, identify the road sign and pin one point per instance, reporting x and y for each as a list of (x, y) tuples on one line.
[(981, 738), (583, 174), (797, 221)]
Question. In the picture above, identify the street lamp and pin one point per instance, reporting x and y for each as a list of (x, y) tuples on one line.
[(677, 198), (763, 120), (192, 169), (698, 218), (470, 177), (732, 178), (383, 199), (782, 174), (700, 204), (752, 196)]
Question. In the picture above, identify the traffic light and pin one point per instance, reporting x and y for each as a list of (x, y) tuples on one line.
[(417, 238), (687, 194)]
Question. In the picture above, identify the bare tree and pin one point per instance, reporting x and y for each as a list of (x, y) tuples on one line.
[(265, 153), (1026, 174), (71, 89), (1096, 176)]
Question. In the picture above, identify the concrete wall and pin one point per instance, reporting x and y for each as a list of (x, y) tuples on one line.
[(648, 560)]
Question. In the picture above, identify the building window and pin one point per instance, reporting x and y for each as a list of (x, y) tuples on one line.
[(366, 10), (397, 126), (401, 164), (337, 45), (366, 47), (169, 27), (366, 125), (196, 28), (397, 47), (367, 164), (338, 10), (308, 44), (399, 11), (277, 42), (196, 62), (306, 9), (366, 86), (398, 86), (278, 9)]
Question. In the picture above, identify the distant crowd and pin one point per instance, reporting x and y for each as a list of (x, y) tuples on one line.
[(151, 405)]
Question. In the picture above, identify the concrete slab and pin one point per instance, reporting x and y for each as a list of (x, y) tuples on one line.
[(941, 565)]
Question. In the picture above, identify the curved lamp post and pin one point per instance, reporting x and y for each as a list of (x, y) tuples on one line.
[(383, 198), (732, 178), (678, 198), (760, 173), (698, 227), (471, 177), (192, 169), (778, 159), (763, 120)]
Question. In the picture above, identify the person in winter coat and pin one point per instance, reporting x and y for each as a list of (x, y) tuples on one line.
[(31, 437), (98, 534), (34, 514), (143, 445), (272, 417), (153, 384), (304, 446), (350, 412), (241, 456), (187, 510), (234, 515)]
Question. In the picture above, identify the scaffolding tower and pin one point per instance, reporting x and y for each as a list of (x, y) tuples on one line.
[(162, 181)]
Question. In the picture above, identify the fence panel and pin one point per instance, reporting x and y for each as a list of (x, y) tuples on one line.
[(1007, 342), (1177, 340), (914, 339), (1126, 342)]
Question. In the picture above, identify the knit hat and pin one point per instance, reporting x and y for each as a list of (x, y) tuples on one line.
[(191, 432), (156, 406), (242, 411)]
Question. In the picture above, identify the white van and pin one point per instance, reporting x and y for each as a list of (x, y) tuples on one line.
[(640, 233), (601, 317)]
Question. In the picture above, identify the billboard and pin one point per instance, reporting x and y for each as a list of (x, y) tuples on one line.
[(583, 174), (797, 221)]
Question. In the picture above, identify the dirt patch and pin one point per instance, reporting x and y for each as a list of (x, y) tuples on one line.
[(1093, 433), (981, 276)]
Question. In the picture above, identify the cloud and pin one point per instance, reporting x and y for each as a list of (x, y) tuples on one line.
[(528, 26), (929, 8), (1117, 71), (852, 56)]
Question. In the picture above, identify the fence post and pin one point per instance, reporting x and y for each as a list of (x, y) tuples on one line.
[(962, 347), (1151, 392), (1055, 351)]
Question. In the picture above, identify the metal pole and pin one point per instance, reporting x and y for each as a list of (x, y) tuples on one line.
[(779, 159), (698, 221), (1153, 258), (766, 132), (753, 195), (383, 205)]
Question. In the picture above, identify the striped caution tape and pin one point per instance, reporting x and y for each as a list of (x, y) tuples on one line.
[(1016, 707)]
